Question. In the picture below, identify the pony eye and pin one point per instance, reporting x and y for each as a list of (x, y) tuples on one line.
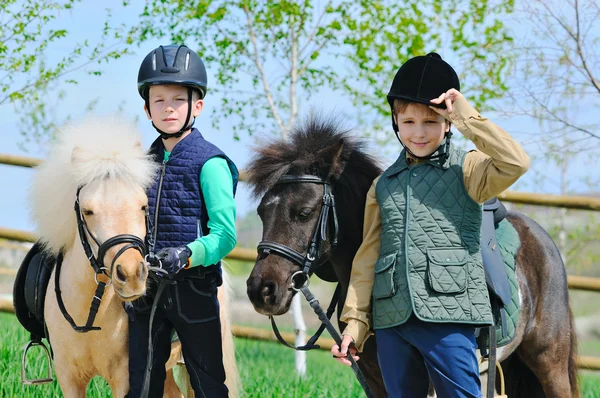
[(88, 212), (304, 214), (145, 207)]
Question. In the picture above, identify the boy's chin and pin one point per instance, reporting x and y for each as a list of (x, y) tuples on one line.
[(422, 152), (170, 130)]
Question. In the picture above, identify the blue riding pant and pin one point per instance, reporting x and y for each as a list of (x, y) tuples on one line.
[(189, 306), (412, 352)]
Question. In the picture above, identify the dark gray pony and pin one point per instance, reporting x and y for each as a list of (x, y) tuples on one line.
[(539, 362)]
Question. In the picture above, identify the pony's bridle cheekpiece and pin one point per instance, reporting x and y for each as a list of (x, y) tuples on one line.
[(310, 261), (130, 241)]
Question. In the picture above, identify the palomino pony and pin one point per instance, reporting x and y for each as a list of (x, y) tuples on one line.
[(540, 361), (100, 167)]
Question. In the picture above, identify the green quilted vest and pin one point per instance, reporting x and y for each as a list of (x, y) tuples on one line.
[(430, 260)]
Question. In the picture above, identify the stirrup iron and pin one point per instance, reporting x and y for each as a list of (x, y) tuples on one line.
[(24, 379)]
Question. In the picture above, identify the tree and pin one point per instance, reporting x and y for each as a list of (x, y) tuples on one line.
[(29, 33), (558, 64), (556, 83), (267, 56)]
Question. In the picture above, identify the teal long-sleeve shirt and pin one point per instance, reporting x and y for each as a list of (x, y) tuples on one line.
[(216, 183)]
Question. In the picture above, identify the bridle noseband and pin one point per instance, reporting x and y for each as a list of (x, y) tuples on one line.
[(310, 261), (130, 241)]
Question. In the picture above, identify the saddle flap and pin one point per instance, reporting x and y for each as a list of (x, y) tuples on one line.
[(29, 290), (493, 263)]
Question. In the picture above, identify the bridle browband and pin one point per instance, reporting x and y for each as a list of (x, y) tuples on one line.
[(310, 261), (130, 241)]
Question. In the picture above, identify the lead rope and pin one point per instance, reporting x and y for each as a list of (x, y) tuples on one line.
[(150, 356), (314, 303)]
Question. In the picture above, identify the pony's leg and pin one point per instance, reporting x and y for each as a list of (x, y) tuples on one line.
[(119, 387), (551, 369), (171, 389), (70, 385), (232, 380)]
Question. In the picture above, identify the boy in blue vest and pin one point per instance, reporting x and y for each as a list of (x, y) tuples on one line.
[(417, 279), (192, 216)]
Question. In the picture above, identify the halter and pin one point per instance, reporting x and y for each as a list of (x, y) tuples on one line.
[(310, 261), (130, 241)]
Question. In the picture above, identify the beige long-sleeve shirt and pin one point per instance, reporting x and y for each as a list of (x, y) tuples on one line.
[(496, 164)]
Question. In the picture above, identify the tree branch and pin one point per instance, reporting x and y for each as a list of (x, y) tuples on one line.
[(63, 73), (564, 122), (575, 36), (237, 44), (309, 61), (315, 29), (293, 75), (261, 72), (580, 51)]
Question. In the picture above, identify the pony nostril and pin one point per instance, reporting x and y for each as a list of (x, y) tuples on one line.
[(120, 275), (141, 271), (268, 290)]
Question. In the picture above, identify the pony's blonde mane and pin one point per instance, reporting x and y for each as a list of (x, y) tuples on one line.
[(95, 148)]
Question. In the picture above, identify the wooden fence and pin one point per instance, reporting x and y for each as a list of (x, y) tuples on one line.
[(244, 254)]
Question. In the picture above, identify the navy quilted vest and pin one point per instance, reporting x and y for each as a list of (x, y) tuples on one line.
[(176, 204)]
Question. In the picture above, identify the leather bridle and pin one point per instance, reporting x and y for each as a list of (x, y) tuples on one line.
[(313, 258), (130, 241)]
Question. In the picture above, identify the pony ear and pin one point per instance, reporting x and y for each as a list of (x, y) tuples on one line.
[(338, 163)]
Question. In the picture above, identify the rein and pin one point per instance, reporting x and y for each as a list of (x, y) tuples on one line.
[(308, 263), (130, 241)]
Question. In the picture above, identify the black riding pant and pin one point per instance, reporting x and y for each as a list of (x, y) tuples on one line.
[(189, 306)]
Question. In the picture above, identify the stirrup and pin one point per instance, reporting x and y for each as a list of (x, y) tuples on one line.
[(24, 378)]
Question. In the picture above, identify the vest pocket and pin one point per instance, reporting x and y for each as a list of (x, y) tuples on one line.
[(447, 269), (384, 284)]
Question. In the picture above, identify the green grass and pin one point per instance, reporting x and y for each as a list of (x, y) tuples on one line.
[(266, 369), (589, 385)]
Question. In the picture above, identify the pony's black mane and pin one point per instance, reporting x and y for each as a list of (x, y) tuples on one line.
[(313, 146)]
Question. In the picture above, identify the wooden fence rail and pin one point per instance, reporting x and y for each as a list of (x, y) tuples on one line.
[(244, 254), (565, 201)]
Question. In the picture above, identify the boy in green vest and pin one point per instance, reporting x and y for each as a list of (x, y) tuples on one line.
[(417, 279)]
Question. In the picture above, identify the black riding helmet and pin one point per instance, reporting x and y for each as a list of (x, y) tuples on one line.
[(421, 79), (172, 64)]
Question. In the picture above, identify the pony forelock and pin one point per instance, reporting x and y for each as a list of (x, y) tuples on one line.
[(95, 148)]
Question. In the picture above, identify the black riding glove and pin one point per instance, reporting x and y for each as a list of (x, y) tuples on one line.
[(174, 259)]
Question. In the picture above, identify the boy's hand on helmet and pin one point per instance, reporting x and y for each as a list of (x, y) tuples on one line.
[(174, 259), (449, 98), (340, 354)]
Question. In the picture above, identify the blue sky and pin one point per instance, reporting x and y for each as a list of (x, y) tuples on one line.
[(117, 86)]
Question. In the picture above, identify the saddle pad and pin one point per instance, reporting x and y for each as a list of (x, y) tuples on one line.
[(509, 243)]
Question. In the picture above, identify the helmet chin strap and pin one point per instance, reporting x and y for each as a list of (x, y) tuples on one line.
[(166, 136)]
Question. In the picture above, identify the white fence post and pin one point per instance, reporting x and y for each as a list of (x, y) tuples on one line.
[(300, 329)]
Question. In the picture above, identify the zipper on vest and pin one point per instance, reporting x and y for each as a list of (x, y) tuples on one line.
[(406, 244), (160, 182)]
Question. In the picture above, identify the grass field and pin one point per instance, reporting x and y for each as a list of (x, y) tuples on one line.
[(267, 371)]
